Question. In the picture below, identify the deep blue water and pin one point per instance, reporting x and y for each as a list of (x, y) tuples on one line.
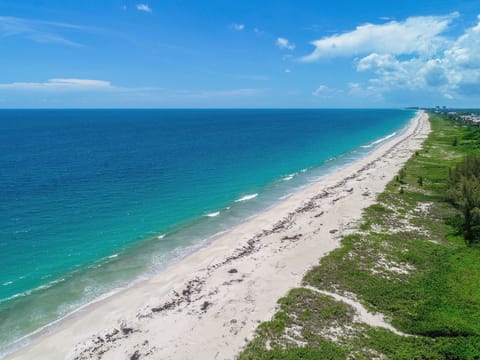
[(91, 199)]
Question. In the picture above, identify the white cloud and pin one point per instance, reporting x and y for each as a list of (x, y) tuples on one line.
[(283, 43), (466, 50), (60, 84), (144, 7), (237, 27), (409, 57), (434, 74), (376, 61), (452, 72), (415, 35)]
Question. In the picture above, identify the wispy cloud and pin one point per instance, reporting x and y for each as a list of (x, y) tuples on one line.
[(70, 84), (237, 27), (64, 85), (284, 44), (38, 31), (144, 7), (326, 92)]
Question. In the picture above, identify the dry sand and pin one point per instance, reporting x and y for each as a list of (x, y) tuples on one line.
[(208, 304)]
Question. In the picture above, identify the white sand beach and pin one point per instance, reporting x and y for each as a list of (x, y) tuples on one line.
[(207, 305)]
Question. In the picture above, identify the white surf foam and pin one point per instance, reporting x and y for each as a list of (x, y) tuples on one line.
[(213, 214), (289, 177), (29, 292), (379, 141), (247, 197)]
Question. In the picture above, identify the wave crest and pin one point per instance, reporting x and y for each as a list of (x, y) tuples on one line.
[(247, 197), (289, 177), (213, 214), (376, 142)]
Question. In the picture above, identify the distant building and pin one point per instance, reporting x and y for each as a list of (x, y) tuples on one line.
[(471, 119)]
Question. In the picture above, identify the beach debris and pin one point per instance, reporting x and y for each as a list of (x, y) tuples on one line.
[(135, 355), (99, 344), (291, 238), (167, 306), (109, 336), (230, 282), (205, 306), (127, 330), (192, 288)]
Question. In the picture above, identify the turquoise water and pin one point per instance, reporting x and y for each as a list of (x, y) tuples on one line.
[(91, 200)]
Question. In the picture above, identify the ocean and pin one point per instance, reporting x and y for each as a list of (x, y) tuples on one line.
[(92, 201)]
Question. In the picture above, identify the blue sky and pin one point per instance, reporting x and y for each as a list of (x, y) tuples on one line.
[(190, 53)]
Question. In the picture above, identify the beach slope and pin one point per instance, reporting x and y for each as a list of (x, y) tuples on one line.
[(206, 305)]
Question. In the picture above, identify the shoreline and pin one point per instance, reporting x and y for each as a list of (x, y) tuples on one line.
[(319, 172), (199, 302)]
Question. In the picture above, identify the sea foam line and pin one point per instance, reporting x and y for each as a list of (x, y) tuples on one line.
[(289, 176), (213, 214), (379, 140), (247, 197), (31, 291)]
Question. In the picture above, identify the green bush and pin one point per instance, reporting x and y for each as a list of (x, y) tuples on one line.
[(464, 193), (420, 180)]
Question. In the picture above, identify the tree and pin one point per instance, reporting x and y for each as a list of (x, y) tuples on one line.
[(464, 193)]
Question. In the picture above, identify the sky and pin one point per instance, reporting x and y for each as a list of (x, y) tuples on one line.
[(239, 54)]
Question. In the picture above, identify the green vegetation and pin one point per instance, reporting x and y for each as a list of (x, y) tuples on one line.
[(420, 180), (408, 261), (464, 193)]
